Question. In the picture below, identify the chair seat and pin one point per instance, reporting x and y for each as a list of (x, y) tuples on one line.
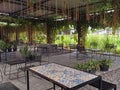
[(8, 86), (15, 62), (105, 85), (26, 68)]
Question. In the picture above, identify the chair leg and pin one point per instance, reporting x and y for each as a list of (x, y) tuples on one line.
[(10, 73), (17, 73), (62, 89), (4, 69), (115, 88), (19, 65), (53, 86), (1, 75)]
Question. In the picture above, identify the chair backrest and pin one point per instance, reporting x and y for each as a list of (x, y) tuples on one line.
[(80, 48), (35, 58), (93, 44), (60, 46), (110, 47), (38, 58), (3, 56), (72, 46), (8, 56)]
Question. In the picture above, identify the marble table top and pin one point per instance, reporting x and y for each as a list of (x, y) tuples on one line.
[(66, 76)]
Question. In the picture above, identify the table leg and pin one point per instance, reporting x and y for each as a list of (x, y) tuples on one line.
[(0, 56), (53, 86), (28, 80), (62, 89), (100, 83)]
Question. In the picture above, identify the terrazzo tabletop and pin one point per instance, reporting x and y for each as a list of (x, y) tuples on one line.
[(66, 76)]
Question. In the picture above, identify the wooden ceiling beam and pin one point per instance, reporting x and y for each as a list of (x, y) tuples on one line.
[(27, 8), (53, 9), (16, 2), (44, 1)]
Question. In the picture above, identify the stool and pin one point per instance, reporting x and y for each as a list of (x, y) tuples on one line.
[(8, 86), (105, 85)]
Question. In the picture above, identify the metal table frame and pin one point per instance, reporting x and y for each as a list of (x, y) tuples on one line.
[(98, 78)]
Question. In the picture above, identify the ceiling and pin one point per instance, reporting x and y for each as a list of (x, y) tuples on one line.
[(44, 8)]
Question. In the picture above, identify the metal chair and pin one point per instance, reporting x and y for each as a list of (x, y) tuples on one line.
[(105, 85), (27, 64), (10, 60), (81, 50), (110, 51)]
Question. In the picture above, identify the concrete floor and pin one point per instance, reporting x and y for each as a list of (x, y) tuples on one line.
[(37, 83)]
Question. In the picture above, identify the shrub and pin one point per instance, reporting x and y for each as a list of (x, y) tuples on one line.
[(2, 45), (90, 66)]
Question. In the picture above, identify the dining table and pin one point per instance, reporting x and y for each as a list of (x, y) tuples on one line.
[(63, 76)]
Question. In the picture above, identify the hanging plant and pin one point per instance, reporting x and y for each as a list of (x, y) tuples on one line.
[(115, 18), (115, 22), (87, 11)]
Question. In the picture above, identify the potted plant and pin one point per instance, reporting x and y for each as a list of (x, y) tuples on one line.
[(105, 64), (26, 53), (8, 46), (2, 45), (91, 66), (31, 56), (14, 46), (80, 66)]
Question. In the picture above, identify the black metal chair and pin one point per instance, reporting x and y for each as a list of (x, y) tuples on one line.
[(37, 58), (11, 60), (81, 50), (110, 51), (8, 86), (60, 47), (105, 85), (27, 64)]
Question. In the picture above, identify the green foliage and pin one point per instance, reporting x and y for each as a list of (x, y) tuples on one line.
[(14, 44), (88, 66), (103, 41), (117, 50), (2, 45), (23, 37), (110, 47), (8, 45), (66, 39), (93, 44), (39, 38), (106, 62), (25, 52), (93, 65)]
